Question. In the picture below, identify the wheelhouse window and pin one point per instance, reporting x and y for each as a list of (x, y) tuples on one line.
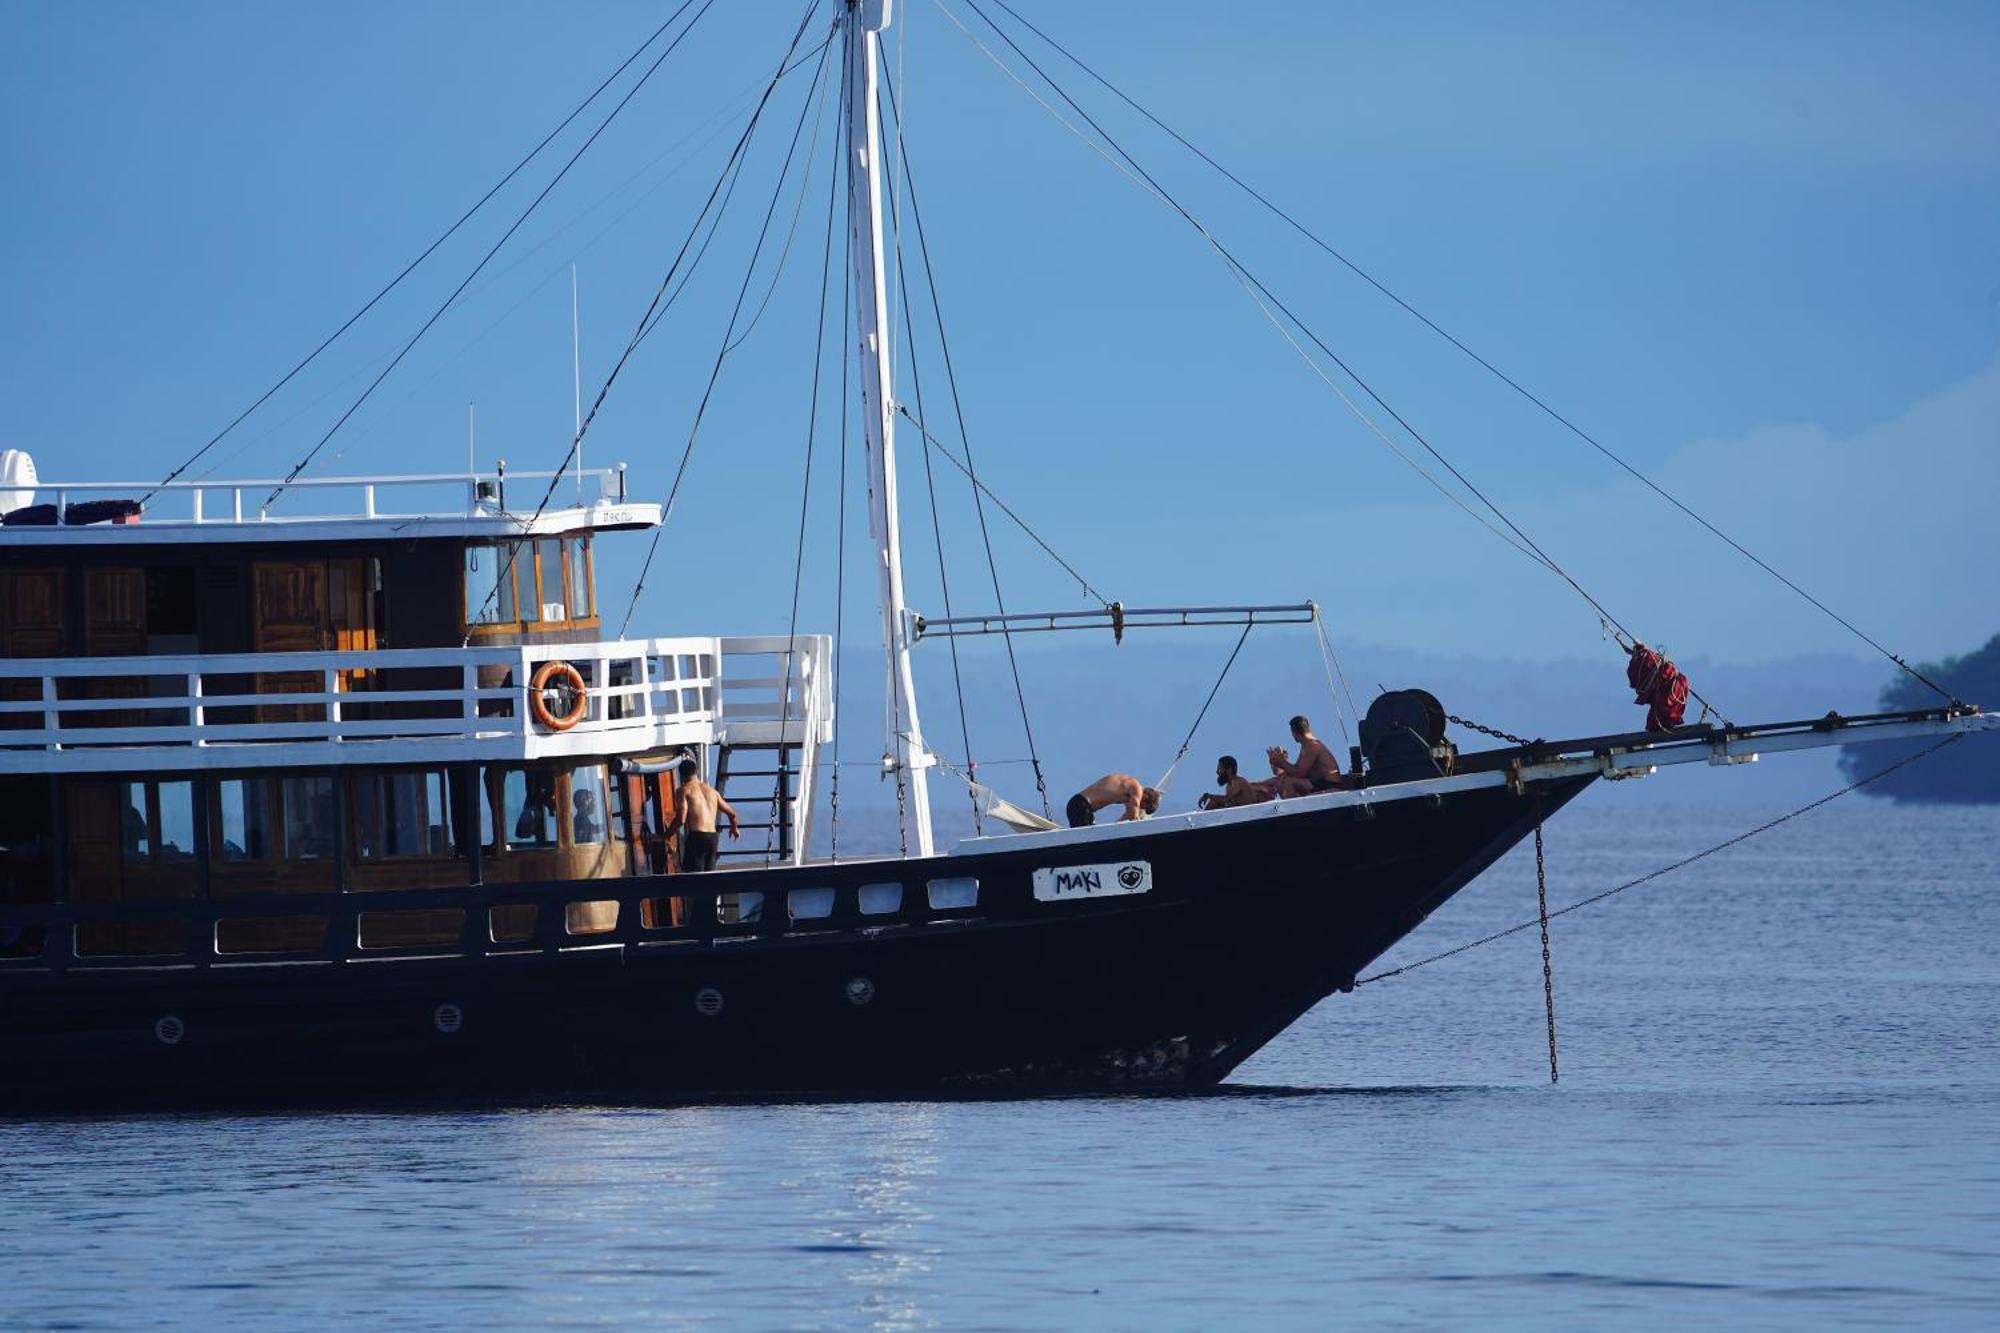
[(545, 583)]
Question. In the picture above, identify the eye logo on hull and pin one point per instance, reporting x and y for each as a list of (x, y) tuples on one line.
[(1055, 884)]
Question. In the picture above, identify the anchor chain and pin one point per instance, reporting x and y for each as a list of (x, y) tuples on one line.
[(1494, 732), (1548, 971)]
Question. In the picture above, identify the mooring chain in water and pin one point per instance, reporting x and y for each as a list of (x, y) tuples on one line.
[(1548, 970), (1668, 869)]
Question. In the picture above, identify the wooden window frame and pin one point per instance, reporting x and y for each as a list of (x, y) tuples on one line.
[(520, 624), (565, 811), (454, 851), (151, 814)]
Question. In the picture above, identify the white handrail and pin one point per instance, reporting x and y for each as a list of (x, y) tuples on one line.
[(640, 694)]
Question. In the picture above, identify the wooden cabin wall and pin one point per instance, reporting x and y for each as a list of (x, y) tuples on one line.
[(129, 597)]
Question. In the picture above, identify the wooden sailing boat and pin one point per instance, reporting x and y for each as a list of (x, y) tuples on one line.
[(362, 807)]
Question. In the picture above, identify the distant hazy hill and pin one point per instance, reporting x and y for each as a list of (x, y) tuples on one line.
[(1966, 773)]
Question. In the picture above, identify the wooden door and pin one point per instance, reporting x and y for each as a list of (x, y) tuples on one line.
[(94, 819), (350, 606), (289, 606), (31, 613), (31, 625), (114, 625)]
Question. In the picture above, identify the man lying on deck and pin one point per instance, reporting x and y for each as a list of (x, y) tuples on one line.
[(1236, 789), (1315, 770), (1111, 789)]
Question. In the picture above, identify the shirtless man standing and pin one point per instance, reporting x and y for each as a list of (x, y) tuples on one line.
[(1315, 770), (695, 806), (1111, 789)]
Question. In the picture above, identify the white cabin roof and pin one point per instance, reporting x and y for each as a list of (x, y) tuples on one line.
[(319, 509)]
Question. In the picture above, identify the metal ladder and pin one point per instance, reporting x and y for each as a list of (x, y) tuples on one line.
[(772, 775)]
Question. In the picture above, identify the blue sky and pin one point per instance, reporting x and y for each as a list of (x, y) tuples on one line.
[(1753, 248)]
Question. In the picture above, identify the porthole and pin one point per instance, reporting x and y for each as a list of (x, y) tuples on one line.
[(860, 991), (448, 1018), (708, 1001), (169, 1029)]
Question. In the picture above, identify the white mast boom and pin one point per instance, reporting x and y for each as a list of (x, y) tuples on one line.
[(905, 756)]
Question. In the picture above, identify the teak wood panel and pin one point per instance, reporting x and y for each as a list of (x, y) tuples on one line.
[(31, 613)]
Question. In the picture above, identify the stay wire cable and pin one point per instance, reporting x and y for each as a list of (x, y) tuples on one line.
[(487, 258), (1230, 258), (1456, 342), (930, 487), (965, 442), (1652, 875), (812, 439), (663, 298), (729, 333), (428, 250)]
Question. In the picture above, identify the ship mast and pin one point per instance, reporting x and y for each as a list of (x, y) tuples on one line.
[(905, 758)]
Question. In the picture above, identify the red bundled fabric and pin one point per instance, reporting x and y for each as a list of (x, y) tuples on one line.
[(1658, 684)]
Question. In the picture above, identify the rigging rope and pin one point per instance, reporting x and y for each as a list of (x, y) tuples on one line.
[(1652, 875), (1260, 293), (662, 301), (1492, 369), (840, 540), (1214, 689), (1330, 660), (937, 524), (487, 258), (428, 250), (812, 437), (965, 441), (934, 442), (749, 273)]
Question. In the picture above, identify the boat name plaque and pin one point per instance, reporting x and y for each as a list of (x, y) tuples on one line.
[(1061, 883)]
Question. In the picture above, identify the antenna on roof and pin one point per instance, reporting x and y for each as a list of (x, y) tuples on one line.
[(576, 359), (471, 438)]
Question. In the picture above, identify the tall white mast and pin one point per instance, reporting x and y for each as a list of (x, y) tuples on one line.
[(906, 754)]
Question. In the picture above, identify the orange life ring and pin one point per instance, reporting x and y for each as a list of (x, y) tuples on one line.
[(555, 678)]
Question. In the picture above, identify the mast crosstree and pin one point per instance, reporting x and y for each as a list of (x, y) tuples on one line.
[(905, 757)]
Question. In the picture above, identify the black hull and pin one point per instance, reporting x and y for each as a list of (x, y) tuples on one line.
[(1246, 927)]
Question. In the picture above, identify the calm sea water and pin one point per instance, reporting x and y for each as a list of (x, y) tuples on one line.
[(1780, 1106)]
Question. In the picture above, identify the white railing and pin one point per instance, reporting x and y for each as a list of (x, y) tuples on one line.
[(484, 494), (125, 714)]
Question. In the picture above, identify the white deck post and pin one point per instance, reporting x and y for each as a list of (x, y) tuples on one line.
[(864, 217)]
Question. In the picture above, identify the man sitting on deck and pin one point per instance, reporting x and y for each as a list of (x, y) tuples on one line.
[(1236, 789), (1315, 770), (1111, 789), (695, 807)]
